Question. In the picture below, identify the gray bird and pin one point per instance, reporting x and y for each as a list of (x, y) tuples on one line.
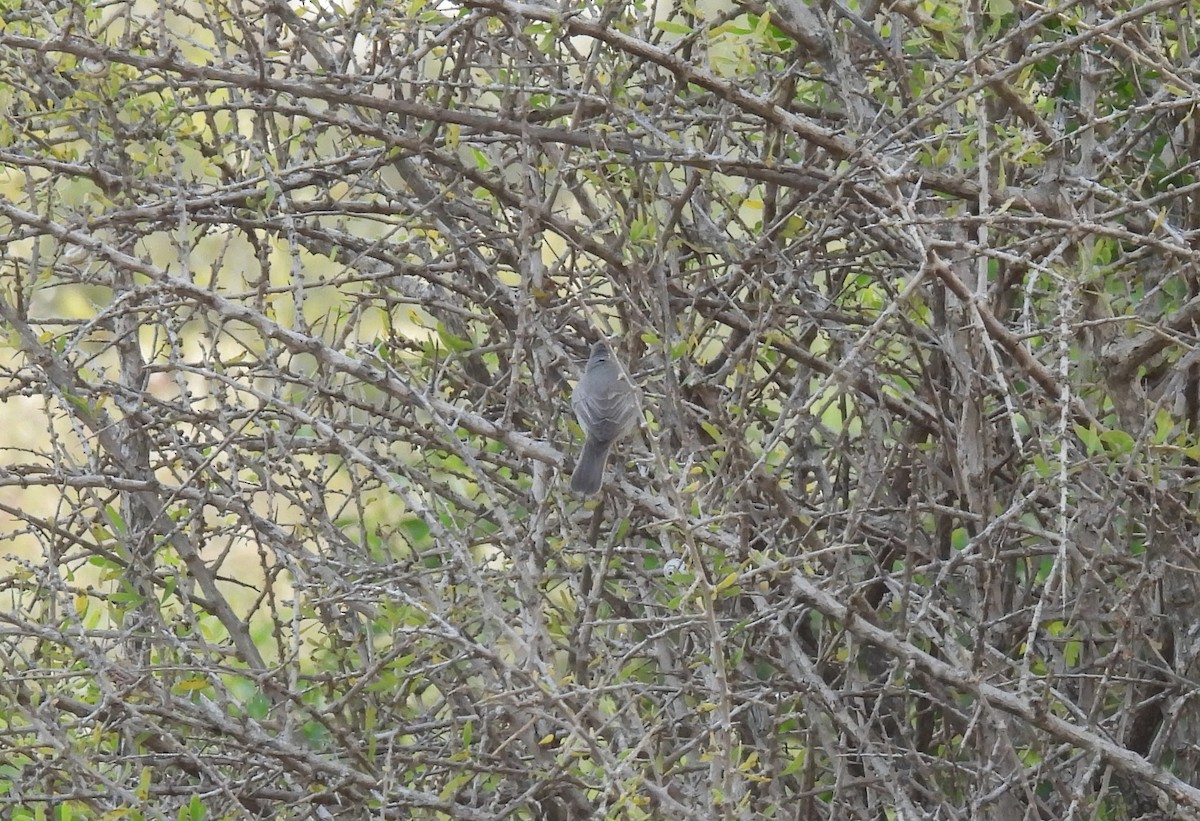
[(606, 408)]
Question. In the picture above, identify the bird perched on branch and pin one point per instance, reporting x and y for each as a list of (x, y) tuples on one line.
[(606, 406)]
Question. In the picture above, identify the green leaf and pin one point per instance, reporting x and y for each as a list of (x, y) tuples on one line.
[(673, 27), (415, 530), (1117, 441), (452, 342), (116, 519), (194, 811), (190, 685), (126, 598), (258, 706), (1090, 439)]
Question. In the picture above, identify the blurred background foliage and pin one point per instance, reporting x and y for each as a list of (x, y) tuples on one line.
[(292, 296)]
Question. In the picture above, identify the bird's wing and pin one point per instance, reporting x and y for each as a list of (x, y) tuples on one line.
[(609, 415)]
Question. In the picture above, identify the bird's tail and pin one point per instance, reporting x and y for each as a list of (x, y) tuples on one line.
[(589, 470)]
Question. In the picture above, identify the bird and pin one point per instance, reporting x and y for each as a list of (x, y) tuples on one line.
[(606, 406)]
